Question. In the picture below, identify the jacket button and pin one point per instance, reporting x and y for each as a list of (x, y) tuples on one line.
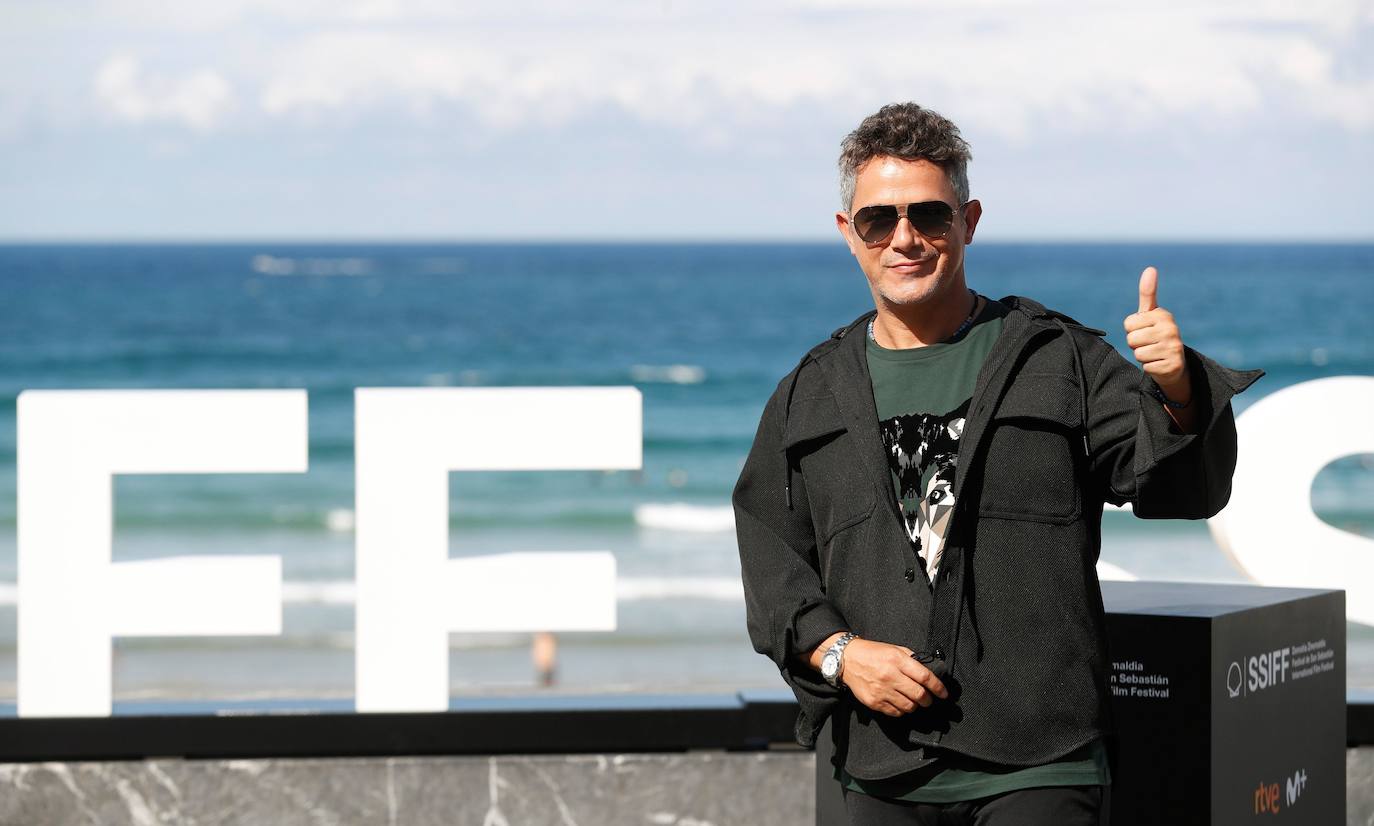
[(939, 653), (910, 574)]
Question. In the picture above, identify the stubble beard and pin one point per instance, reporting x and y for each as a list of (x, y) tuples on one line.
[(935, 282)]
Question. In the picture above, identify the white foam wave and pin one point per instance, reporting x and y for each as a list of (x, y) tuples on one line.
[(454, 379), (680, 516), (321, 592), (339, 520), (668, 373), (628, 589), (272, 265)]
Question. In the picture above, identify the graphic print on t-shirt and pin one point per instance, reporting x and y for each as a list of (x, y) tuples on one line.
[(922, 450)]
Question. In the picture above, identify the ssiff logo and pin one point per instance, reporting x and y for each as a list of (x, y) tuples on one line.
[(1261, 671), (1267, 796)]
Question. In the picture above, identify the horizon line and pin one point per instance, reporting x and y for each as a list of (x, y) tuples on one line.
[(647, 241)]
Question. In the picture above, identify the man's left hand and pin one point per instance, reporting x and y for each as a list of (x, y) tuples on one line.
[(1153, 337)]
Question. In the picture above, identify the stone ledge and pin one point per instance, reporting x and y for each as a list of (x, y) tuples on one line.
[(1359, 786), (696, 788), (706, 788)]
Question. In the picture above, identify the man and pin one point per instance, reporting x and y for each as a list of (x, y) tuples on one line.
[(919, 517)]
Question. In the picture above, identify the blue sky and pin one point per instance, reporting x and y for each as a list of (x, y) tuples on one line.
[(663, 119)]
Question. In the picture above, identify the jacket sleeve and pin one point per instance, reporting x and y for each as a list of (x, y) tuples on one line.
[(787, 612), (1138, 454)]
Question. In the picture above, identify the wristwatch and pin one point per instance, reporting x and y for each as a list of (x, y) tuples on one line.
[(832, 664)]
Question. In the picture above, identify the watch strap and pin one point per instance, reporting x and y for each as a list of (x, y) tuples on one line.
[(837, 648)]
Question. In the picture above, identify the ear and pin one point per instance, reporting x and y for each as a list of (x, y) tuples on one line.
[(842, 224), (972, 213)]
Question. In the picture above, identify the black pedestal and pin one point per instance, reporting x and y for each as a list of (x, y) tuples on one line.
[(1229, 703)]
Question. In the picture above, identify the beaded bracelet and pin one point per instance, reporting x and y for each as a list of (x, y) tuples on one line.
[(1159, 394)]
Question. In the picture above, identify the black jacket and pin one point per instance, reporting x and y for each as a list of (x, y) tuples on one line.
[(1059, 423)]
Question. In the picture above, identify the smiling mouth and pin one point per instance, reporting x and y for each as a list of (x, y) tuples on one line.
[(911, 265)]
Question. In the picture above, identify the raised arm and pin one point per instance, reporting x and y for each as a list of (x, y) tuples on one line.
[(1166, 467)]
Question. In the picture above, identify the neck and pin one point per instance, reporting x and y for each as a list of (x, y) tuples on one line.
[(903, 326)]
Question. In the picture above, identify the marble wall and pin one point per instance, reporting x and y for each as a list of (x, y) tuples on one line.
[(682, 789), (1359, 786), (700, 788)]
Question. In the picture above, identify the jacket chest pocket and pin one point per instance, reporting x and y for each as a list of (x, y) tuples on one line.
[(1032, 466), (819, 445), (847, 545)]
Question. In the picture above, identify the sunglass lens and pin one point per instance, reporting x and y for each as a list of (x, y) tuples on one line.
[(873, 223), (931, 218)]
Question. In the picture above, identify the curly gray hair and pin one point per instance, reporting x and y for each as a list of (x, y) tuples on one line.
[(905, 130)]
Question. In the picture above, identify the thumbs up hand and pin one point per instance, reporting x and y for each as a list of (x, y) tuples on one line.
[(1153, 337)]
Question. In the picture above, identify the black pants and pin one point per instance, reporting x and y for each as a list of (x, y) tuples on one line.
[(1041, 806)]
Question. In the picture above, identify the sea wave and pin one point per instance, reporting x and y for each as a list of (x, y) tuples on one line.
[(339, 520), (321, 592), (668, 374), (272, 265), (627, 589), (630, 589), (680, 516), (195, 520)]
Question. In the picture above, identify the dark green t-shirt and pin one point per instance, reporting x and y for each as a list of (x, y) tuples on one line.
[(956, 777), (922, 395)]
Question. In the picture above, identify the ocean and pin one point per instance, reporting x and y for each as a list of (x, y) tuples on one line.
[(705, 331)]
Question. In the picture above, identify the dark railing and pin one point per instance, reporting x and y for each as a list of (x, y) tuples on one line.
[(746, 720)]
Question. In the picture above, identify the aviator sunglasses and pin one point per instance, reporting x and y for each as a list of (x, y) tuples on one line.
[(930, 218)]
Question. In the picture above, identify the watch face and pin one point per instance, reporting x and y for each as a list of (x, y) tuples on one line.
[(829, 665)]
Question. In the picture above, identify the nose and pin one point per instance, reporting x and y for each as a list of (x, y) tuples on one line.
[(905, 236)]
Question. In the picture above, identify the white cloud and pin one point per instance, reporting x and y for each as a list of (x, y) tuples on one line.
[(1008, 68), (198, 101), (1003, 66), (418, 104)]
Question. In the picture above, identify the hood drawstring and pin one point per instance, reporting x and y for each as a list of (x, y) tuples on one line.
[(966, 573)]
